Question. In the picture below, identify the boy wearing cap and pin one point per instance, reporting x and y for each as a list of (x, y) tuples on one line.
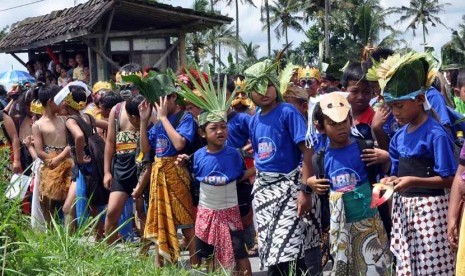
[(277, 133), (358, 240)]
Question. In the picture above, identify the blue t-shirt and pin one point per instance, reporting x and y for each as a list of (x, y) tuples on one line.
[(238, 130), (344, 168), (438, 103), (275, 136), (159, 140), (391, 126), (430, 140), (218, 168)]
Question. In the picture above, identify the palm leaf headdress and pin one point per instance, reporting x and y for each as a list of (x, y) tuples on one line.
[(211, 99), (153, 86)]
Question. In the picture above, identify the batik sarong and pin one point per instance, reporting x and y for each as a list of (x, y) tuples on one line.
[(280, 231), (360, 247), (54, 183), (419, 236), (170, 207)]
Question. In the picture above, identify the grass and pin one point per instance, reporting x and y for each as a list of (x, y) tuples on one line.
[(24, 251)]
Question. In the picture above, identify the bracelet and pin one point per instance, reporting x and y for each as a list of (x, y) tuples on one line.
[(306, 189)]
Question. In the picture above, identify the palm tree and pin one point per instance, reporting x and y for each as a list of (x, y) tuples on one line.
[(228, 3), (265, 9), (222, 35), (284, 16), (196, 40), (421, 12), (249, 53)]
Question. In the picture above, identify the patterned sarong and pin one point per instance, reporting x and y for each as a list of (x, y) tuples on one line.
[(214, 226), (170, 207), (419, 236), (280, 232), (358, 248)]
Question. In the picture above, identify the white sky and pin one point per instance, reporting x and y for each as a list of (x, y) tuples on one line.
[(250, 26)]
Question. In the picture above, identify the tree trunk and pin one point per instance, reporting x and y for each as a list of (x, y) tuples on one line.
[(268, 27), (211, 6), (285, 33), (237, 30), (424, 36), (219, 56), (327, 48)]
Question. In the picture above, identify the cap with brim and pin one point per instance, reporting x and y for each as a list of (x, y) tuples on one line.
[(335, 106)]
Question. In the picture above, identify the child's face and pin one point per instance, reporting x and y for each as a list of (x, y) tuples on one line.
[(338, 133), (194, 110), (301, 106), (360, 95), (265, 100), (407, 110), (216, 134), (134, 120), (311, 85)]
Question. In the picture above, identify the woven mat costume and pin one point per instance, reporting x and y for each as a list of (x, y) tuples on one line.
[(170, 206), (54, 183)]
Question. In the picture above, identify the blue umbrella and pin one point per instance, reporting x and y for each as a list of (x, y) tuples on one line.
[(16, 76)]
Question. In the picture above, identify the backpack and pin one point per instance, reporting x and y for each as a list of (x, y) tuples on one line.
[(96, 148)]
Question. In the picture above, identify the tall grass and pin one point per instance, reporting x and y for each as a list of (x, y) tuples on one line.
[(24, 251)]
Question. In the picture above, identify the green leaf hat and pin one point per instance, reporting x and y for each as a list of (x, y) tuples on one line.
[(153, 86), (212, 100), (405, 77), (260, 75)]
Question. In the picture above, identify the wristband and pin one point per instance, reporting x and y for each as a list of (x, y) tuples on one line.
[(306, 189)]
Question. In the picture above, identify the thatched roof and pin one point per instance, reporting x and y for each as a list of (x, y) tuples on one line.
[(90, 18)]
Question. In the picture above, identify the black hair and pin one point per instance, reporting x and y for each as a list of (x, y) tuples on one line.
[(436, 84), (353, 72), (461, 78), (47, 93), (377, 55), (78, 93), (318, 116), (130, 68), (110, 99), (453, 74), (219, 79), (132, 105), (3, 92)]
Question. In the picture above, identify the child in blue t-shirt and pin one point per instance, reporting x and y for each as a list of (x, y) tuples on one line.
[(277, 133), (423, 166), (354, 224)]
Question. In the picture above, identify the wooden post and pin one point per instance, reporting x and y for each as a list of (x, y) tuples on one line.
[(166, 53), (182, 49), (18, 59)]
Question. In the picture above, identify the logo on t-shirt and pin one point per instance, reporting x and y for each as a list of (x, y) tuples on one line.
[(266, 148), (344, 179), (163, 144), (216, 178)]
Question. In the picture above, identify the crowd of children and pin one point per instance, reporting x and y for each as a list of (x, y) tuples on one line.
[(302, 163)]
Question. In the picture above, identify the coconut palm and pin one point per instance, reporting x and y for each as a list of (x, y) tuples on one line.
[(421, 12), (265, 10), (228, 3), (284, 16), (222, 35), (249, 53), (196, 40)]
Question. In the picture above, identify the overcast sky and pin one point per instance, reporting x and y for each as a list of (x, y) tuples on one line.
[(250, 26)]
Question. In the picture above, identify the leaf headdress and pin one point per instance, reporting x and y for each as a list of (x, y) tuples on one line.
[(211, 99), (153, 86)]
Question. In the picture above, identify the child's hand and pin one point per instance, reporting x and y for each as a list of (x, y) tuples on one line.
[(181, 160), (107, 181), (162, 108), (16, 167), (304, 203), (319, 186), (381, 116), (53, 163), (28, 141), (388, 180), (375, 156), (452, 234), (137, 191), (403, 183), (145, 110)]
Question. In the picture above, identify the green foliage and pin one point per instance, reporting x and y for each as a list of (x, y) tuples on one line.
[(4, 32), (284, 15), (420, 13), (152, 86)]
